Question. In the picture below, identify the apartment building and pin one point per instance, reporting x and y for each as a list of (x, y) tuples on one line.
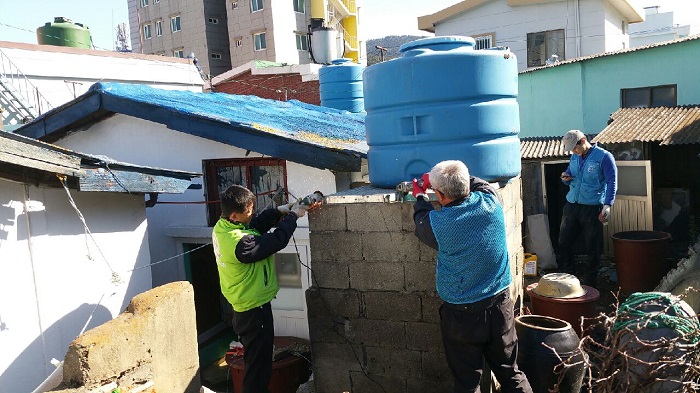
[(179, 28)]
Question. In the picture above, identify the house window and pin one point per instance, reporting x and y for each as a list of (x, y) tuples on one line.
[(147, 31), (542, 45), (265, 177), (213, 21), (234, 5), (649, 97), (159, 28), (239, 42), (215, 55), (259, 40), (302, 43), (144, 3), (175, 23), (299, 6), (483, 41), (179, 53), (288, 270), (256, 5)]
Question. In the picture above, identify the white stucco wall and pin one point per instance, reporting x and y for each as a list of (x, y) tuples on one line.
[(512, 24), (55, 279), (142, 142)]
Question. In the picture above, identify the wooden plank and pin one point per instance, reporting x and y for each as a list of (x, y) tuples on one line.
[(37, 157), (100, 179)]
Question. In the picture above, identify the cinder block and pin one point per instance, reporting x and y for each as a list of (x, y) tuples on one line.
[(335, 275), (427, 253), (377, 383), (379, 333), (333, 303), (329, 330), (402, 363), (435, 367), (377, 276), (408, 224), (420, 276), (421, 336), (390, 246), (374, 217), (337, 358), (392, 306), (331, 217), (336, 246), (430, 307), (331, 380)]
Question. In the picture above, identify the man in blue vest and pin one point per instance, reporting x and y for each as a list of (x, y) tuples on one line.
[(472, 276), (592, 180)]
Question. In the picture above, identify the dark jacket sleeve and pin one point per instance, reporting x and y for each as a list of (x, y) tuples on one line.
[(264, 221), (256, 248), (421, 216), (477, 184)]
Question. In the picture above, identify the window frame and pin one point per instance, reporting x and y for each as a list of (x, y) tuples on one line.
[(238, 41), (172, 23), (211, 184), (156, 1), (159, 28), (181, 51), (302, 42), (296, 4), (146, 30), (234, 5), (213, 21), (256, 3), (543, 61), (650, 100), (480, 38), (216, 56), (263, 42), (144, 3)]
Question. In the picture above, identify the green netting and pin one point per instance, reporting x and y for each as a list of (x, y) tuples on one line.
[(669, 314)]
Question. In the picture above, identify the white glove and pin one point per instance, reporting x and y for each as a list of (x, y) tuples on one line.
[(285, 209), (604, 215), (299, 209)]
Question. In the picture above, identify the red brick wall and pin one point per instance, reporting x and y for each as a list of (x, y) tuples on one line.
[(267, 86)]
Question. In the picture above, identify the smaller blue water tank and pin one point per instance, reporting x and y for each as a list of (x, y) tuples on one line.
[(442, 100), (341, 86)]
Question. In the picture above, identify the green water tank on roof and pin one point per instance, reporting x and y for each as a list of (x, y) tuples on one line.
[(63, 32)]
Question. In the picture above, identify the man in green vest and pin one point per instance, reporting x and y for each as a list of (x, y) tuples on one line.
[(244, 253)]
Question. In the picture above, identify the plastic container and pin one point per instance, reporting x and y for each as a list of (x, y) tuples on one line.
[(63, 32), (640, 259), (442, 100), (340, 85), (530, 265)]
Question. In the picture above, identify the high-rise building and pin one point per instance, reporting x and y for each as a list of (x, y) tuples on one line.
[(181, 28), (224, 34)]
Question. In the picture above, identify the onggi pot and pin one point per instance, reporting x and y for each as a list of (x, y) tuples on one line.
[(538, 337)]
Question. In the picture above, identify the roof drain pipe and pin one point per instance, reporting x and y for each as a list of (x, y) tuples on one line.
[(577, 31)]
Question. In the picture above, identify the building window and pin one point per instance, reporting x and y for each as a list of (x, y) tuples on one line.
[(234, 5), (215, 55), (175, 23), (265, 177), (483, 41), (179, 53), (156, 1), (239, 42), (625, 27), (542, 45), (147, 31), (256, 5), (649, 97), (159, 28), (259, 40), (302, 43), (299, 6), (213, 21), (144, 3)]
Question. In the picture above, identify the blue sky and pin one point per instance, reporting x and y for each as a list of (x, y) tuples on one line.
[(19, 19)]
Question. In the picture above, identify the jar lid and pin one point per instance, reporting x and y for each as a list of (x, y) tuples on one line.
[(559, 285)]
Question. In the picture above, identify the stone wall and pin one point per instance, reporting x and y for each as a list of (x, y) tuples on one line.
[(152, 343), (373, 308)]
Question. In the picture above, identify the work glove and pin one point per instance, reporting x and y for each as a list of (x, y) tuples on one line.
[(604, 215), (285, 209), (421, 186), (299, 209)]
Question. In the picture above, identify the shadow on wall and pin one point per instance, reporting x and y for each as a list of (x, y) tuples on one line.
[(30, 368)]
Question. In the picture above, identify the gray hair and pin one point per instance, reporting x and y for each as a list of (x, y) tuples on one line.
[(451, 178)]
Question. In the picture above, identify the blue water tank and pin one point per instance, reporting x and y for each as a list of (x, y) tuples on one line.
[(442, 100), (341, 86)]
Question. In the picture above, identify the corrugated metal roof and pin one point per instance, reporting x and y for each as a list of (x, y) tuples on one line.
[(542, 147), (676, 125), (613, 53)]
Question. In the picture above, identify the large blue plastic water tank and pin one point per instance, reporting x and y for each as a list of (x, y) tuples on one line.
[(442, 100), (341, 86)]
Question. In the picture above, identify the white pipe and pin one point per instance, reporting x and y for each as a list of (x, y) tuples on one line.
[(53, 380)]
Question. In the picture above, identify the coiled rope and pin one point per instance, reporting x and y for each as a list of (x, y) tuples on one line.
[(656, 310)]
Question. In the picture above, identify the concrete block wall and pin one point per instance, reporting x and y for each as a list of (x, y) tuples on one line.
[(153, 342), (373, 308), (273, 87)]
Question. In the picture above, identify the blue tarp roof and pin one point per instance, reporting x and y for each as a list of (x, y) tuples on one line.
[(291, 130)]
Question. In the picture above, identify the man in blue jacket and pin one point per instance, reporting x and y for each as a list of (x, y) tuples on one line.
[(592, 180), (472, 276)]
